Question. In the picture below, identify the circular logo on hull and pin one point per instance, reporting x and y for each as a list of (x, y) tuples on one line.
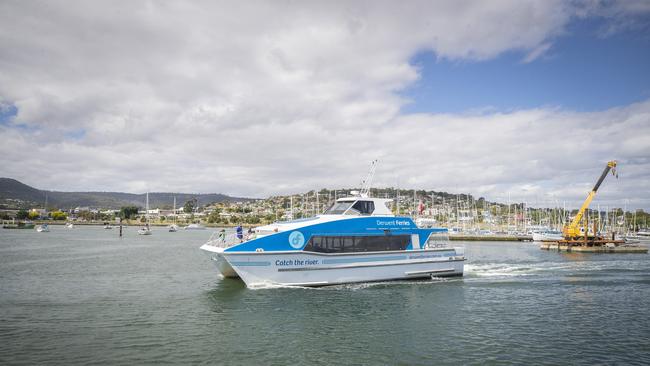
[(296, 239)]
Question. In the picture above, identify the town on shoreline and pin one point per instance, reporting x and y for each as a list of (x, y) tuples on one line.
[(461, 212)]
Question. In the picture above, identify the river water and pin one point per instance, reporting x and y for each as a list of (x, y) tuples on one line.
[(85, 296)]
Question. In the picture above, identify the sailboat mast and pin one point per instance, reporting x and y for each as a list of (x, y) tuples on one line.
[(146, 215)]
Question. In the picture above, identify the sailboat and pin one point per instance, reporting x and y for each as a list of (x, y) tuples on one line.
[(173, 228), (43, 228), (145, 230)]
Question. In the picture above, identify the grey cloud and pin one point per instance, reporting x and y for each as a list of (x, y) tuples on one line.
[(259, 98)]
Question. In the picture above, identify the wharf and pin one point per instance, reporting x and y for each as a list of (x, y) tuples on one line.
[(490, 238), (598, 246), (14, 226)]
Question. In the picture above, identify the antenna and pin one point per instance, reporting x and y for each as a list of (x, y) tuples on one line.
[(366, 183)]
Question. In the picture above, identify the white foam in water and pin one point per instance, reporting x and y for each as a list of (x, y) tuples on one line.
[(509, 270), (354, 286), (512, 269), (268, 285)]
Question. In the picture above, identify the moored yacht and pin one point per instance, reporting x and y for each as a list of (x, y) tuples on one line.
[(642, 236), (194, 227), (44, 228), (547, 235), (146, 230), (357, 239)]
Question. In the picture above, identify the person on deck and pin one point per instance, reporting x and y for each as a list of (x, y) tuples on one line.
[(240, 233)]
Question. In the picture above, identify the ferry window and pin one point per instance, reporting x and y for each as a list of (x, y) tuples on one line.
[(338, 208), (364, 207), (438, 240), (355, 244)]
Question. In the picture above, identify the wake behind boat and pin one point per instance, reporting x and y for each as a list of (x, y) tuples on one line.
[(358, 239)]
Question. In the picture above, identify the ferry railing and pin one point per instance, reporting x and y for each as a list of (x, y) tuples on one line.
[(220, 239)]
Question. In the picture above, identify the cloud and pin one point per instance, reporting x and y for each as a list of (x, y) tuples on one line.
[(262, 98), (537, 52)]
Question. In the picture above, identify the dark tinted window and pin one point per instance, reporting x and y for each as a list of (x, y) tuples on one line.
[(338, 208), (354, 244), (364, 207)]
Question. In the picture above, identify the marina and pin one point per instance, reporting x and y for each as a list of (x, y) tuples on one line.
[(86, 296)]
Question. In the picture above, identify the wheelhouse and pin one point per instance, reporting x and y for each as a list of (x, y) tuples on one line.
[(353, 206)]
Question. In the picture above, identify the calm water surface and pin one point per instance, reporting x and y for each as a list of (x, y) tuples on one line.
[(85, 296)]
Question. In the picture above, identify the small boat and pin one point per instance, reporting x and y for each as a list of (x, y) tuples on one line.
[(108, 226), (357, 239), (643, 233), (145, 230), (547, 235), (18, 225), (638, 237), (173, 227), (194, 227), (43, 228), (69, 225)]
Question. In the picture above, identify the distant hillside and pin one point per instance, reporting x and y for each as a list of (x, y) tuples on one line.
[(14, 194)]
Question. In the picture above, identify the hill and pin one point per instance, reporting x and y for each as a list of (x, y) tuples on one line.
[(15, 194)]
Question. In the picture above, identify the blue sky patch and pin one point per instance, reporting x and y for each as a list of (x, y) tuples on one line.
[(582, 71), (7, 113), (76, 134)]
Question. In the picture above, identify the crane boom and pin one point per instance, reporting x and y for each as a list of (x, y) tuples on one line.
[(573, 229)]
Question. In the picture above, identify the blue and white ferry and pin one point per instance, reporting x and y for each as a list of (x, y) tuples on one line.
[(358, 239)]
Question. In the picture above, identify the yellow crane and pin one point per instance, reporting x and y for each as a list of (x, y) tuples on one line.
[(572, 231)]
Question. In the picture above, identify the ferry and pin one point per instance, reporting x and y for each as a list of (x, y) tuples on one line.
[(357, 239)]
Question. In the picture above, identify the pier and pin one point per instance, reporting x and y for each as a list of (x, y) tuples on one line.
[(598, 246), (490, 237)]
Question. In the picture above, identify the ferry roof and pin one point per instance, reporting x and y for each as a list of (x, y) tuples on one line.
[(380, 206)]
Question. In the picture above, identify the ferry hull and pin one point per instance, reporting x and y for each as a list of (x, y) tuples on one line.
[(216, 256), (315, 269)]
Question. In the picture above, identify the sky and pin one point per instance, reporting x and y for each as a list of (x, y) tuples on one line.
[(508, 100)]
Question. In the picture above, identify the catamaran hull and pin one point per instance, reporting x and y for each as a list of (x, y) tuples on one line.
[(313, 269), (216, 255)]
